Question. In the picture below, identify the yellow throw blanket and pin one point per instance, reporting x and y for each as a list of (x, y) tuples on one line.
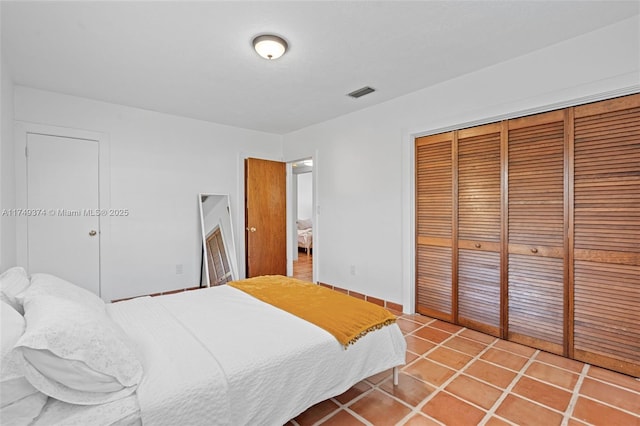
[(345, 317)]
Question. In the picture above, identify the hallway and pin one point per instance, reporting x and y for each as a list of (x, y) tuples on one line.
[(303, 267)]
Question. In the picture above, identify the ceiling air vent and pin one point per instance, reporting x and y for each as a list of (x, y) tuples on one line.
[(361, 92)]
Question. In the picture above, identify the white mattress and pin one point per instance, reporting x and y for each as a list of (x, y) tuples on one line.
[(240, 361)]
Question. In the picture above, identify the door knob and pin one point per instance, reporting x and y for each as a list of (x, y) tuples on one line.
[(92, 233), (252, 229)]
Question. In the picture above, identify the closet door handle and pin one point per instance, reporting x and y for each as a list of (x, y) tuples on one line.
[(534, 250)]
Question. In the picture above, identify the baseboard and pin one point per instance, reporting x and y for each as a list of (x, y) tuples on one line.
[(395, 307)]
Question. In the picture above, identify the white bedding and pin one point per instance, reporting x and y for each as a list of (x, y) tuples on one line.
[(182, 381), (305, 239), (220, 356), (123, 412)]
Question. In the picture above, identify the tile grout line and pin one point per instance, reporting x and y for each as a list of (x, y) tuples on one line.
[(414, 410), (346, 406), (615, 385), (520, 373), (358, 416), (615, 407), (536, 402), (507, 391), (533, 358), (458, 373), (559, 387), (343, 407), (574, 398), (374, 387), (417, 410), (555, 410), (489, 362)]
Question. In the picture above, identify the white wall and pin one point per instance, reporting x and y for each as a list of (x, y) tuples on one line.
[(7, 170), (305, 195), (158, 165), (365, 168)]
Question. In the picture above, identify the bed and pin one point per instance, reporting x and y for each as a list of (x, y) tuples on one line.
[(305, 235), (219, 356)]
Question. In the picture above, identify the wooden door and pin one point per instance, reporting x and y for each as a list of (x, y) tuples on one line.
[(479, 228), (217, 261), (537, 270), (63, 238), (265, 217), (530, 229), (606, 294), (434, 226)]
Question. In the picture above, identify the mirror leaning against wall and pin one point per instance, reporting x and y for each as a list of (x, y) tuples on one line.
[(219, 250)]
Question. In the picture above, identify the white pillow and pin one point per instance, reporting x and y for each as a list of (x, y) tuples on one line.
[(12, 326), (13, 386), (13, 282), (42, 284), (73, 374), (75, 353)]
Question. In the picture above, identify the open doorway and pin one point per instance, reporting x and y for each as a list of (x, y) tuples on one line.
[(302, 212)]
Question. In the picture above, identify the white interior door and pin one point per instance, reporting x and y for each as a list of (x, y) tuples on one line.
[(63, 223)]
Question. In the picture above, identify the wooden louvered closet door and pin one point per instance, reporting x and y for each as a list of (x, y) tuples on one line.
[(434, 204), (537, 270), (478, 272), (607, 234), (529, 229)]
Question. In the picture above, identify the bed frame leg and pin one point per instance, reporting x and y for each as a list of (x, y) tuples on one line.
[(395, 376)]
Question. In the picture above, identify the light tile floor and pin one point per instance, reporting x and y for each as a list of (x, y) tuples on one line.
[(457, 376)]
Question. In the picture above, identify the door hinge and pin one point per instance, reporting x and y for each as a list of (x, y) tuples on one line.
[(26, 151)]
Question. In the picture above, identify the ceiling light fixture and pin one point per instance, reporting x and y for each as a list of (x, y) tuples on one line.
[(270, 46)]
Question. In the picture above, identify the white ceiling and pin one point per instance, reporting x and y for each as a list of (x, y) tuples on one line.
[(195, 59)]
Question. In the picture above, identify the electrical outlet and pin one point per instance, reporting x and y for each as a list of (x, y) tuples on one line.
[(353, 269), (179, 269)]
